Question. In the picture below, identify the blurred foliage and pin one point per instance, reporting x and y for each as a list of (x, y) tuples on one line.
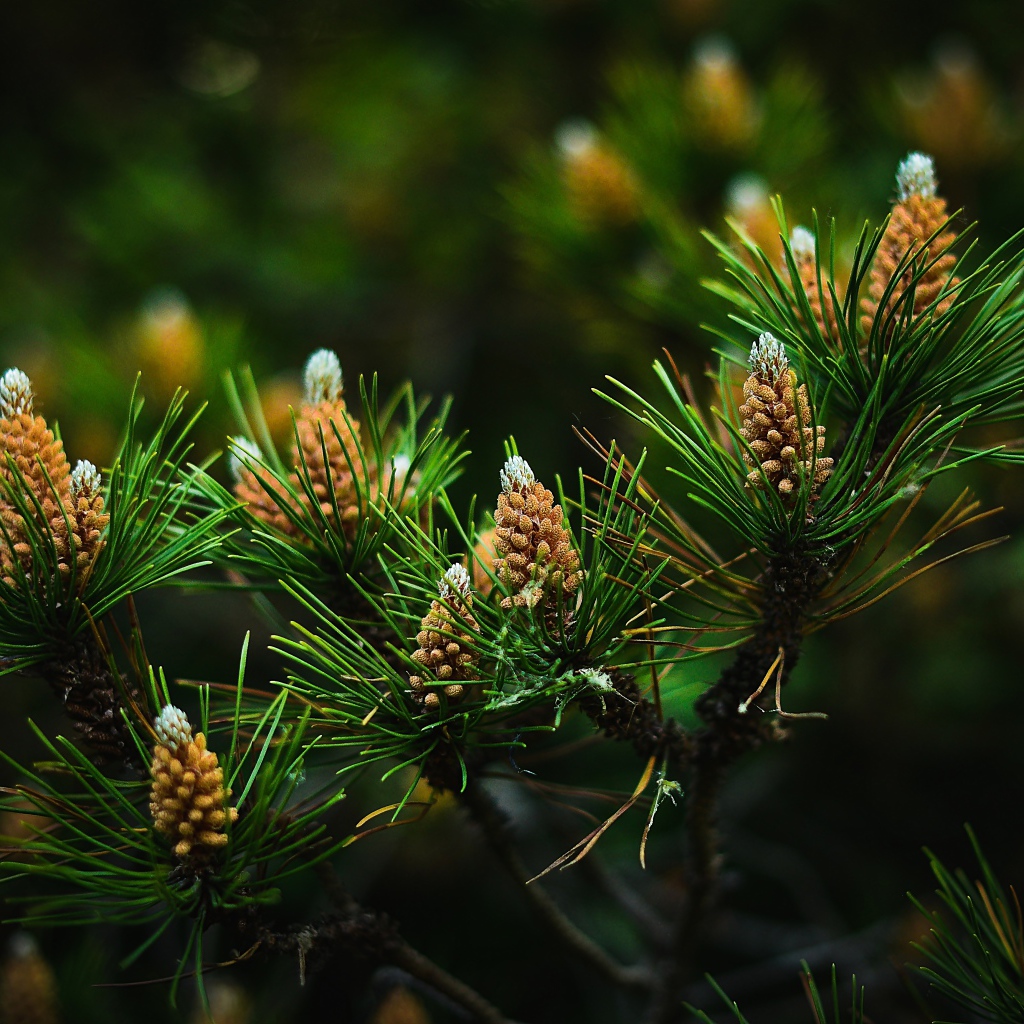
[(502, 199)]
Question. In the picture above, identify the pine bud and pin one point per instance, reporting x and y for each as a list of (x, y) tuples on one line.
[(445, 640), (905, 248), (15, 394), (536, 561), (784, 447), (322, 377), (28, 986), (188, 801), (805, 255)]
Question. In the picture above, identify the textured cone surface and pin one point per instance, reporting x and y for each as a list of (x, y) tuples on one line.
[(256, 485), (535, 559), (187, 799), (93, 698), (342, 446), (777, 426), (31, 446), (28, 990), (820, 300), (602, 188), (88, 521), (914, 220), (445, 651)]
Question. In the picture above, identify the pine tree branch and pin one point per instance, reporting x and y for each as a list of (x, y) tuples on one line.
[(494, 826), (370, 935)]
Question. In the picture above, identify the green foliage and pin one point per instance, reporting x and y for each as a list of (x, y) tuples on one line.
[(976, 947), (819, 1008), (93, 854)]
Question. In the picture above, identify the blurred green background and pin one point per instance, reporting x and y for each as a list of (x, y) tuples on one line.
[(502, 200)]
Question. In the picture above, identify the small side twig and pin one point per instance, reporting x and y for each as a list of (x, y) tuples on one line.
[(370, 935)]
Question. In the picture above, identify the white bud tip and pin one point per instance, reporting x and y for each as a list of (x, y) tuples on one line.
[(916, 177), (454, 583), (322, 377), (715, 53), (768, 358), (746, 194), (803, 245), (575, 139), (400, 466), (517, 475), (15, 394), (240, 456), (172, 727), (85, 479)]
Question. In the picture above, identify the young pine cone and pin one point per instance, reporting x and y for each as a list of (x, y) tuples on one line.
[(61, 498), (323, 428), (187, 800), (445, 643), (804, 248), (601, 187), (777, 424), (917, 215), (536, 559), (28, 986)]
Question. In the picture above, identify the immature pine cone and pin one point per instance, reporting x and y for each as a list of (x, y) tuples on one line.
[(600, 185), (804, 248), (777, 425), (536, 559), (445, 643), (322, 425), (918, 214), (187, 800), (28, 986), (63, 497)]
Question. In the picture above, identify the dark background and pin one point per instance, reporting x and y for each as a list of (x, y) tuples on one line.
[(188, 186)]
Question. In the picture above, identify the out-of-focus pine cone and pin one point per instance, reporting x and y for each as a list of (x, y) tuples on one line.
[(187, 799), (917, 215), (484, 554), (601, 187), (536, 562), (446, 643), (28, 987), (804, 249), (777, 424)]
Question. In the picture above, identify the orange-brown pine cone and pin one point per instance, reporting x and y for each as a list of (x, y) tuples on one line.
[(87, 517), (322, 429), (28, 986), (187, 799), (29, 444), (777, 425), (536, 559), (341, 442), (445, 642), (600, 185), (917, 216), (819, 299), (259, 498), (483, 559)]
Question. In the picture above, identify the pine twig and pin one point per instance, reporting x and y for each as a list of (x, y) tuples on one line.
[(494, 826)]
